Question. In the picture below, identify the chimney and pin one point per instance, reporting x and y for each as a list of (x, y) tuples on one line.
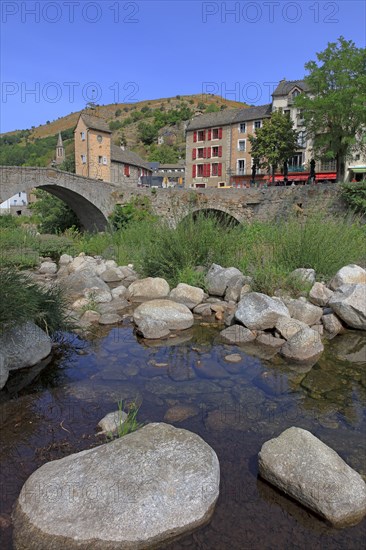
[(122, 147)]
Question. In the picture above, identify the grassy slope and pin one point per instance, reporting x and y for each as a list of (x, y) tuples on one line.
[(130, 131)]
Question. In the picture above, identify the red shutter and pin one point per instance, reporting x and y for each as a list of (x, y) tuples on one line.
[(194, 171), (204, 152), (219, 169), (204, 135), (208, 170), (208, 155), (127, 170), (194, 137), (208, 135), (220, 151), (194, 154), (220, 133)]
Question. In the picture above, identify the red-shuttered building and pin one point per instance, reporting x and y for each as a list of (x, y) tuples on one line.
[(217, 146)]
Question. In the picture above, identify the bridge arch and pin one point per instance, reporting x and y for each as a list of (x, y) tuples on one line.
[(223, 216), (91, 200)]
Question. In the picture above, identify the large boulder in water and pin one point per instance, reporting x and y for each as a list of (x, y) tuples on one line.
[(305, 346), (136, 492), (24, 346), (259, 312), (302, 466), (175, 316), (349, 303)]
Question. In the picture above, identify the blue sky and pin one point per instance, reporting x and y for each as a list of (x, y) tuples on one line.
[(56, 55)]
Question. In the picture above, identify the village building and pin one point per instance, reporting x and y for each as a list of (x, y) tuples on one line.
[(218, 152), (98, 158)]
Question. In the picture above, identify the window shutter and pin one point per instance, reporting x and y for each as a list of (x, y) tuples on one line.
[(220, 133), (220, 151), (194, 171), (208, 170), (204, 135), (194, 137), (219, 169), (204, 152), (208, 135), (194, 153), (208, 152)]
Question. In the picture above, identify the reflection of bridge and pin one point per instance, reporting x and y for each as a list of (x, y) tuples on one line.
[(93, 200)]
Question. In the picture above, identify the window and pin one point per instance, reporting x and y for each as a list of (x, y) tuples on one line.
[(105, 161), (83, 159), (295, 162), (100, 160), (301, 139), (201, 135), (241, 167), (242, 127), (241, 145), (257, 124), (127, 170), (82, 135), (99, 139), (200, 170), (200, 152), (287, 112), (215, 169), (295, 93), (217, 133), (215, 151)]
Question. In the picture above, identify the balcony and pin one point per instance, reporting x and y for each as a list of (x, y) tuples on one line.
[(296, 168)]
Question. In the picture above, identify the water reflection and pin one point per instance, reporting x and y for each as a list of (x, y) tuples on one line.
[(188, 381)]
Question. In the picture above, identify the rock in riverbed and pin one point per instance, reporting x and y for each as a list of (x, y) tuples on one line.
[(135, 492), (305, 468), (176, 316)]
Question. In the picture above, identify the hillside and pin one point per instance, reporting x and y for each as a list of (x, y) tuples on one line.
[(137, 125)]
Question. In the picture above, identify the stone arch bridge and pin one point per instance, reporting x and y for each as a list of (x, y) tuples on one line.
[(93, 200)]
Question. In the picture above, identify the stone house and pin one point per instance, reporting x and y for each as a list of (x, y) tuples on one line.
[(98, 158), (218, 148)]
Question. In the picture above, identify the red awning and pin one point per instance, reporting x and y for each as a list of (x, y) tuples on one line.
[(326, 176)]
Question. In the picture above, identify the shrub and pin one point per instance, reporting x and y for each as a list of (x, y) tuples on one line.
[(21, 300), (355, 196)]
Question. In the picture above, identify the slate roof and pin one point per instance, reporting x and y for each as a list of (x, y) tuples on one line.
[(210, 120), (95, 123), (128, 157), (285, 86), (253, 113), (230, 116)]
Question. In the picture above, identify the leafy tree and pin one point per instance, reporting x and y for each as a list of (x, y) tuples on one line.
[(68, 164), (54, 215), (334, 109), (275, 142), (164, 154), (212, 108), (147, 133), (355, 196), (138, 209)]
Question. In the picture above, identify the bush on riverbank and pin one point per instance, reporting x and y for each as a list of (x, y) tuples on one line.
[(21, 300), (268, 251)]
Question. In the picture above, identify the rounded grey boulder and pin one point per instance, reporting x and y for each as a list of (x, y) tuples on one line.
[(134, 493), (305, 468)]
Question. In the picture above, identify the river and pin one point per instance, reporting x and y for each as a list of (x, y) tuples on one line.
[(235, 407)]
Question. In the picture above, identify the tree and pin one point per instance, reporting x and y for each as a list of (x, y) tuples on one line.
[(274, 143), (334, 109), (164, 154), (54, 215)]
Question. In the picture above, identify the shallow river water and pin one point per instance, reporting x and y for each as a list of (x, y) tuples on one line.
[(235, 407)]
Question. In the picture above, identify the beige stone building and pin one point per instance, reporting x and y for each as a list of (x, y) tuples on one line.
[(98, 158)]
